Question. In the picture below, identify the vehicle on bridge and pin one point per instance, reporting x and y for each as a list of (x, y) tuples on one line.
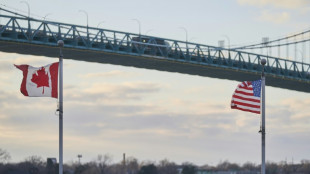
[(150, 45)]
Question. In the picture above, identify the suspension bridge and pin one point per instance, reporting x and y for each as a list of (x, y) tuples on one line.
[(288, 58)]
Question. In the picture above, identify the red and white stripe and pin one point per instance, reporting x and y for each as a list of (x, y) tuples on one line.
[(244, 99)]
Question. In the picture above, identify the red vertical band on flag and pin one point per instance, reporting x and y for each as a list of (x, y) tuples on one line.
[(36, 79), (54, 79), (24, 68)]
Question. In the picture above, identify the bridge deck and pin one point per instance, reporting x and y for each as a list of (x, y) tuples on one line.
[(156, 63)]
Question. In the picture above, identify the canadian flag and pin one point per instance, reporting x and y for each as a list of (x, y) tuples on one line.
[(39, 82)]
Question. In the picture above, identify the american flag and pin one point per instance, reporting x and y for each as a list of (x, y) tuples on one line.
[(247, 96)]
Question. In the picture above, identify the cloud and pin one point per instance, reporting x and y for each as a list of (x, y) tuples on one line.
[(126, 90), (36, 61), (124, 126), (132, 117), (115, 73), (6, 66), (298, 110), (279, 12), (106, 125), (286, 4), (273, 17), (290, 116)]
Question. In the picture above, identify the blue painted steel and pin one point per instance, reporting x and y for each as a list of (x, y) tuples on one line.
[(34, 31)]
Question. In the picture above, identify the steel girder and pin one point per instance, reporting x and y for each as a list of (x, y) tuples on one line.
[(29, 30)]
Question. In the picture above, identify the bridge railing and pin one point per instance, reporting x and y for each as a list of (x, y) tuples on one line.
[(23, 29)]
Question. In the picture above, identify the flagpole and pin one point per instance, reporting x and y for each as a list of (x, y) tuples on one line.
[(60, 43), (263, 168)]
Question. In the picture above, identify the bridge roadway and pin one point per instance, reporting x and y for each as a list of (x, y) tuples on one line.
[(24, 35), (152, 62)]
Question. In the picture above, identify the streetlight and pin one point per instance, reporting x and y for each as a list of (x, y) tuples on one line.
[(186, 40), (186, 37), (29, 27), (148, 31), (44, 24), (86, 25), (46, 16), (100, 30), (83, 11), (139, 25), (100, 23), (185, 33), (191, 39), (27, 6)]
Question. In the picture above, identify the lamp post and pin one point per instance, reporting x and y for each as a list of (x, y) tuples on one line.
[(191, 39), (186, 40), (100, 30), (148, 31), (44, 25), (83, 11), (185, 33), (27, 6), (100, 23), (29, 27), (139, 25), (46, 16)]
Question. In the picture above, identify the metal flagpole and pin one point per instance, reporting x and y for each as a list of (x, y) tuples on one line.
[(263, 169), (60, 43)]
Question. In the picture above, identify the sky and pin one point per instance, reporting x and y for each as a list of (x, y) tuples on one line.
[(149, 114)]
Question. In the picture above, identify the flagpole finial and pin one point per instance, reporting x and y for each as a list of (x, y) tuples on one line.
[(263, 62), (60, 43)]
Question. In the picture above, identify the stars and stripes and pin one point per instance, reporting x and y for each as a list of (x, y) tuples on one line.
[(247, 97)]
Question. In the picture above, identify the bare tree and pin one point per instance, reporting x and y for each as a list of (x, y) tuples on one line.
[(103, 162), (35, 161), (248, 166), (116, 169), (167, 167), (305, 166), (227, 166), (132, 165), (4, 156), (272, 168), (33, 164)]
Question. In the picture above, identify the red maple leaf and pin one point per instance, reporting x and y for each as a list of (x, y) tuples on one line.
[(41, 79)]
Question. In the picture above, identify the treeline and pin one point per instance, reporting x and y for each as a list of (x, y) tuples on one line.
[(103, 165)]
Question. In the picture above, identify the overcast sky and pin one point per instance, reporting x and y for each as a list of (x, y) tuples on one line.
[(148, 114)]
